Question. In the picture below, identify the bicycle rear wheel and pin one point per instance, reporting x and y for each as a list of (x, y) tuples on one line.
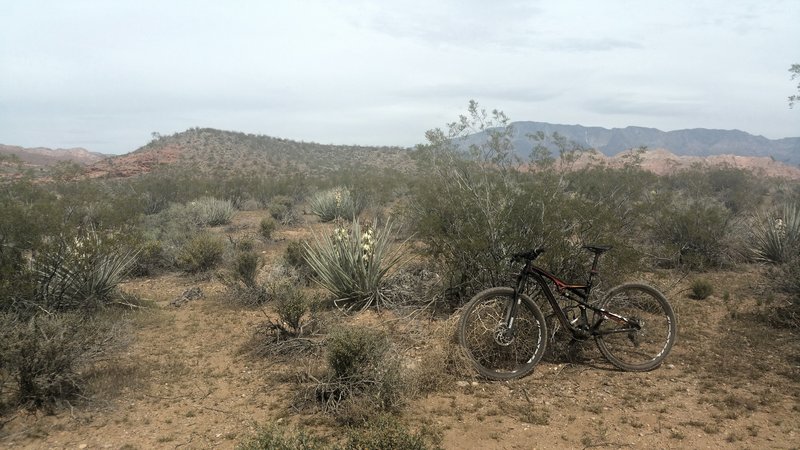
[(495, 352), (630, 349)]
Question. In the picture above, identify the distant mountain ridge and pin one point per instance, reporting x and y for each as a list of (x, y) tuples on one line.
[(42, 156), (691, 142)]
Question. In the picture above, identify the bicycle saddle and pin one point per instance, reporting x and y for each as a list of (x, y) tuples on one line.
[(597, 249)]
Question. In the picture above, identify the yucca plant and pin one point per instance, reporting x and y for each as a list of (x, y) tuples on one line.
[(80, 272), (776, 237), (211, 212), (353, 262), (335, 203)]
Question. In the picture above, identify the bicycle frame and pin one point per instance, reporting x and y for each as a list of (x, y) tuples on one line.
[(578, 293)]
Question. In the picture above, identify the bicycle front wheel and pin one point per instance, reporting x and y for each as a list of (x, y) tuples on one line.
[(642, 341), (495, 351)]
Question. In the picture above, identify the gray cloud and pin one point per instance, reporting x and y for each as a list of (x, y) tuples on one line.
[(106, 74)]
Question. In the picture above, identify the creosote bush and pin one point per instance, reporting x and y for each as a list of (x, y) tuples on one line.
[(477, 203), (364, 377), (697, 233), (266, 227), (45, 354), (201, 253), (702, 289), (384, 432)]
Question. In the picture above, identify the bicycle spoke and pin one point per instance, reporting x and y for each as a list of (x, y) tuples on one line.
[(639, 329), (496, 352)]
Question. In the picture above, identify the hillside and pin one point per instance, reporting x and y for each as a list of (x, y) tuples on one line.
[(208, 150), (693, 142)]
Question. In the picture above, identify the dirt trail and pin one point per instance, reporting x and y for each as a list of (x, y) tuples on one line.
[(183, 384)]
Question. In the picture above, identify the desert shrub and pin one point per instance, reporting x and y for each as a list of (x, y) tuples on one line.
[(170, 229), (291, 305), (241, 280), (266, 227), (80, 272), (702, 289), (280, 208), (353, 262), (386, 432), (788, 281), (45, 355), (295, 254), (246, 266), (364, 378), (354, 351), (776, 237), (291, 333), (202, 253), (696, 233), (474, 206), (211, 212), (337, 202), (276, 438)]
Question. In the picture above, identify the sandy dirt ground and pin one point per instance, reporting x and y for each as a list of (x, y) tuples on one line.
[(732, 381)]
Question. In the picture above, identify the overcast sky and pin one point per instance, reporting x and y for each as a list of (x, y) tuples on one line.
[(105, 74)]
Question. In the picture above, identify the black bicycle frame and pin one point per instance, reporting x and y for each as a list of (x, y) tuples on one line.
[(582, 291)]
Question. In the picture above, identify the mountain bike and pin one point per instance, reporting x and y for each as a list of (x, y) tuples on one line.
[(505, 335)]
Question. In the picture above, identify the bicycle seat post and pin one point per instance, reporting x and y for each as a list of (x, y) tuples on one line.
[(597, 250)]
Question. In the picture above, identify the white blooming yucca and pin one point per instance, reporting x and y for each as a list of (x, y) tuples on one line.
[(353, 262), (776, 237)]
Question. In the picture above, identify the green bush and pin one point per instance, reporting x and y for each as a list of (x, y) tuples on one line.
[(787, 276), (246, 266), (280, 208), (46, 353), (266, 227), (336, 203), (475, 205), (384, 432), (696, 233), (356, 351), (212, 212), (387, 433), (775, 237), (364, 378), (702, 289), (202, 253), (275, 438), (352, 263), (291, 305)]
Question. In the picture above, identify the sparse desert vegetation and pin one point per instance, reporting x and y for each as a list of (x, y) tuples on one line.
[(275, 294)]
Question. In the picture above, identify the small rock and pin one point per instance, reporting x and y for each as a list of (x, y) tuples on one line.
[(670, 366), (462, 383), (82, 446)]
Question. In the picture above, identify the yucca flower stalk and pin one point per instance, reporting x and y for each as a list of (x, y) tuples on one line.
[(776, 237), (335, 203), (80, 273), (352, 263)]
